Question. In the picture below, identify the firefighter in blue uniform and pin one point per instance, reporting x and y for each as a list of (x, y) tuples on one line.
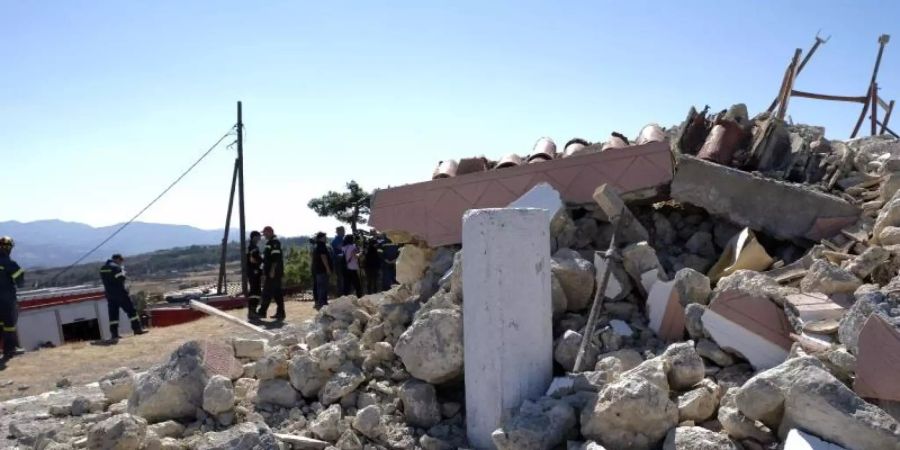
[(113, 276), (254, 267), (273, 270), (11, 276)]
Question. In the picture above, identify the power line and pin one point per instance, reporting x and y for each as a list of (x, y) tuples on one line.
[(145, 208)]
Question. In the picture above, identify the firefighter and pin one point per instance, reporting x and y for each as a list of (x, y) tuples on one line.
[(11, 276), (113, 276), (273, 269), (254, 267)]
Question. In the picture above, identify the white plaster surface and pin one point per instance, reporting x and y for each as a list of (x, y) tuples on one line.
[(761, 353), (658, 301), (613, 286), (798, 440), (507, 315)]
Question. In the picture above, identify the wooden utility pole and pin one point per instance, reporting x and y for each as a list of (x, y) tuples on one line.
[(240, 169), (222, 285)]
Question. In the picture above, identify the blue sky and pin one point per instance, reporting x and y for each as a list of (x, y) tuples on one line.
[(103, 103)]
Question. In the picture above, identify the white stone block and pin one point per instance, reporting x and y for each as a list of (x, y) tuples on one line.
[(798, 440), (507, 315), (543, 196), (249, 348)]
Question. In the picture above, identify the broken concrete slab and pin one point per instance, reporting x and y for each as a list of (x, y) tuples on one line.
[(747, 200), (543, 196), (665, 311), (878, 363), (751, 326), (507, 315)]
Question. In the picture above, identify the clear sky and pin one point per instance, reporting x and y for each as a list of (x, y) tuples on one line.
[(103, 103)]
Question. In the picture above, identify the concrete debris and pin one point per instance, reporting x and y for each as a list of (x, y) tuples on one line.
[(768, 364)]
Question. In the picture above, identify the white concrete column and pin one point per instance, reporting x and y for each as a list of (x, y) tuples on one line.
[(507, 314)]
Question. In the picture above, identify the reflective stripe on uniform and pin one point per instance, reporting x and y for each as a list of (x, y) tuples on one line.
[(254, 297), (9, 329), (105, 270), (17, 273), (113, 322), (120, 274), (275, 251), (135, 319)]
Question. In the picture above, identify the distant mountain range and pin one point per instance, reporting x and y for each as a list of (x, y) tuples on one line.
[(54, 243)]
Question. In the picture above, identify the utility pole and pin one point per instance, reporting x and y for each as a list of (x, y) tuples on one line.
[(222, 287), (240, 169)]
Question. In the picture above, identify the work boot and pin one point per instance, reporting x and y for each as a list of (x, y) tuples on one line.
[(140, 331), (9, 354)]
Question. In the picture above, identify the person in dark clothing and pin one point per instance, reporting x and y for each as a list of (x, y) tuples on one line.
[(339, 265), (112, 274), (321, 267), (273, 268), (254, 269), (351, 271), (11, 277), (372, 263), (389, 255)]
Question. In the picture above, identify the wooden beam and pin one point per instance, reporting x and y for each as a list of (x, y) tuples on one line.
[(874, 101), (789, 84), (887, 116), (203, 307)]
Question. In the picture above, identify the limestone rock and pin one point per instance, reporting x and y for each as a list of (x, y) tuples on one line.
[(739, 426), (618, 286), (693, 320), (368, 421), (800, 393), (277, 391), (218, 395), (411, 264), (249, 348), (698, 438), (639, 259), (420, 405), (889, 236), (174, 390), (610, 365), (349, 441), (342, 383), (326, 425), (432, 347), (576, 275), (701, 243), (306, 375), (827, 278), (889, 216), (558, 296), (169, 428), (566, 351), (686, 365), (634, 412), (536, 425), (711, 351), (118, 384), (244, 436), (866, 263), (244, 387), (755, 284), (120, 432), (692, 287), (273, 365), (700, 403)]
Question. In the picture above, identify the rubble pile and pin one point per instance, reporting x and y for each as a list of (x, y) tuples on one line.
[(712, 333)]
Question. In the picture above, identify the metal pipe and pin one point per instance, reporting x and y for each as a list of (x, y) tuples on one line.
[(887, 116)]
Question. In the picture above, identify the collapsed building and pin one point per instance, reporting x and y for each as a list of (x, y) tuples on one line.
[(727, 283), (745, 305)]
